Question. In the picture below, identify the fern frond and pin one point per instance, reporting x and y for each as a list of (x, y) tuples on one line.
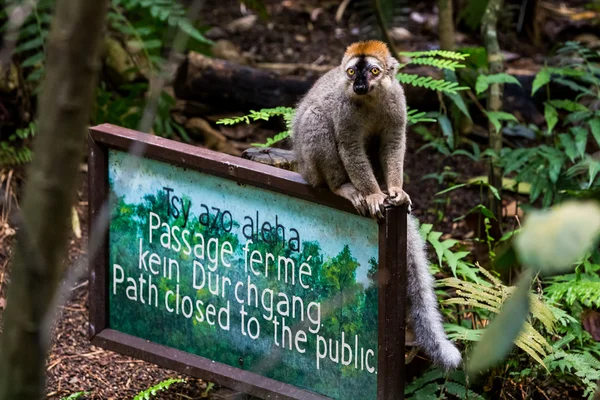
[(32, 37), (452, 65), (472, 303), (435, 381), (415, 116), (170, 12), (433, 53), (423, 380), (265, 114), (586, 292), (461, 392), (428, 82), (457, 332), (13, 151), (489, 275), (542, 312), (151, 392), (469, 286), (585, 366), (475, 295)]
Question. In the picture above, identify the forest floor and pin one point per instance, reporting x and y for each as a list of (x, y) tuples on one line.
[(299, 32)]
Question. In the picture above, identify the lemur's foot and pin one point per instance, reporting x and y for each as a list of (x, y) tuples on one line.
[(349, 192)]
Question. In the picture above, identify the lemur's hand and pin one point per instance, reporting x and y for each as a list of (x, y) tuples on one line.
[(399, 196)]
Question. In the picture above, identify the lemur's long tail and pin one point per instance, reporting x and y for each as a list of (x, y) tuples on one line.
[(425, 315)]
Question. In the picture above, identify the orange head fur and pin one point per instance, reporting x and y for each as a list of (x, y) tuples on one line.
[(373, 48)]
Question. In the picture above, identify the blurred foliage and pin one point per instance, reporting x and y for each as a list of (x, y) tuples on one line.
[(135, 51)]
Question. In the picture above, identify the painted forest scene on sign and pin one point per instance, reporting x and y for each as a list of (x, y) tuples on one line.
[(242, 276)]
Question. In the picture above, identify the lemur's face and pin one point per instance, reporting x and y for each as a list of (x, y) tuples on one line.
[(364, 73)]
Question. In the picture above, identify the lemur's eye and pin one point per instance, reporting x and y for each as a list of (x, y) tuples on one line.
[(350, 71), (375, 70)]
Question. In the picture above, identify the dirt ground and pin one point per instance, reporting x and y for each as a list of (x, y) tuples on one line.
[(296, 32)]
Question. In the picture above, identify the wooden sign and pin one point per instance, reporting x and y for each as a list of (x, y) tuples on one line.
[(242, 274)]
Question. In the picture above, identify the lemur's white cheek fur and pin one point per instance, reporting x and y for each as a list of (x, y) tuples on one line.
[(386, 83)]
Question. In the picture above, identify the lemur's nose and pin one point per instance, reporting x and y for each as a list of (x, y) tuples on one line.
[(361, 89)]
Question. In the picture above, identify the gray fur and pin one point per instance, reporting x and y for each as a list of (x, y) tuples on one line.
[(333, 127), (333, 133), (424, 311)]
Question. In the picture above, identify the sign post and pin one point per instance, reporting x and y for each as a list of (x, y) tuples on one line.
[(242, 274)]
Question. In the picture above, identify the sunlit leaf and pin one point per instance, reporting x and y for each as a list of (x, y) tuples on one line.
[(552, 240)]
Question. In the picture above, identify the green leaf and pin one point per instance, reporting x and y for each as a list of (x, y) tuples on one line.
[(75, 396), (500, 334), (446, 126), (433, 238), (496, 116), (152, 44), (595, 127), (482, 84), (29, 45), (542, 78), (459, 103), (580, 139), (569, 145), (484, 210), (552, 240), (452, 188), (455, 97), (574, 86), (551, 116), (36, 75), (424, 230), (568, 105), (35, 59), (484, 81), (554, 169), (494, 191), (194, 33)]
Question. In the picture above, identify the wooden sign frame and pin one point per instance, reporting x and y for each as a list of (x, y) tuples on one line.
[(392, 265)]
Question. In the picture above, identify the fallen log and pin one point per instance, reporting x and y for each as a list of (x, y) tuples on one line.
[(233, 87), (228, 86), (214, 86)]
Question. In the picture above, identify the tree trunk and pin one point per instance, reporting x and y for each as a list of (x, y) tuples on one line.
[(64, 108), (446, 24), (496, 65)]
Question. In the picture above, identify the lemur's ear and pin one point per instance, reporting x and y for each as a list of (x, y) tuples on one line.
[(392, 65)]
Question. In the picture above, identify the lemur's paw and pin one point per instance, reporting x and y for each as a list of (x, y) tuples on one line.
[(399, 196), (349, 192), (375, 204)]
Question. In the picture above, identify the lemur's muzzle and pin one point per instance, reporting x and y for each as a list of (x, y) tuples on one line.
[(361, 88)]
